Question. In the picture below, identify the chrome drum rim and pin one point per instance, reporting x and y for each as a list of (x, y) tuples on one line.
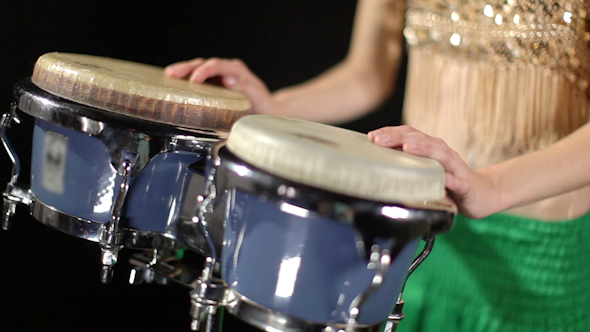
[(92, 230)]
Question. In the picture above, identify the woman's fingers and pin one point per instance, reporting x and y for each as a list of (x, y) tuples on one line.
[(417, 143), (184, 68), (233, 72), (199, 70), (230, 73), (423, 145), (391, 137)]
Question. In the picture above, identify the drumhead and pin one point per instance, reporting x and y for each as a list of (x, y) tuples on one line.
[(335, 159), (138, 90)]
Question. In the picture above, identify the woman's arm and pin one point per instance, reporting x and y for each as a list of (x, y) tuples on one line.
[(348, 90), (559, 168), (364, 79)]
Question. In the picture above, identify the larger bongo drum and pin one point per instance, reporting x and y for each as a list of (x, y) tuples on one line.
[(112, 143), (313, 227)]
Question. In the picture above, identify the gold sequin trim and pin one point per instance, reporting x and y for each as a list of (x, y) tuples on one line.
[(513, 74), (552, 34)]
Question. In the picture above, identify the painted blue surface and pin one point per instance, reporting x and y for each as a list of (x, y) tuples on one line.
[(91, 183), (261, 240)]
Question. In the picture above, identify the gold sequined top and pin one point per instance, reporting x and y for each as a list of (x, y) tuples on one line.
[(518, 70), (553, 34)]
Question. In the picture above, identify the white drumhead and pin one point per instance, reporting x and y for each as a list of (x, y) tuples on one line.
[(335, 159)]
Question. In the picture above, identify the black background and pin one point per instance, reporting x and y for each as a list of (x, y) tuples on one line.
[(49, 281)]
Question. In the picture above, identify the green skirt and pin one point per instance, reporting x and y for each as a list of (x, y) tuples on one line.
[(503, 273)]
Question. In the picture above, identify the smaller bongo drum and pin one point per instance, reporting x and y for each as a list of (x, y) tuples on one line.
[(112, 143), (313, 227)]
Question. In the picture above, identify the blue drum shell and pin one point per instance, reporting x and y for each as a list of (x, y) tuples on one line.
[(91, 183), (306, 267)]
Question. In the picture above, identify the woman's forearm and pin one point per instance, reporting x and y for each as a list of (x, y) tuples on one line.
[(363, 80), (341, 94), (557, 169)]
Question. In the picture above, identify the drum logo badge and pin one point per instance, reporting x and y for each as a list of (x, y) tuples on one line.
[(54, 162)]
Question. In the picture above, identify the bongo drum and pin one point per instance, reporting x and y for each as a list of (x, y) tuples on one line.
[(313, 227), (112, 143)]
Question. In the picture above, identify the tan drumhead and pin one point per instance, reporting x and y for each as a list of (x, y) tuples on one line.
[(335, 159), (138, 90)]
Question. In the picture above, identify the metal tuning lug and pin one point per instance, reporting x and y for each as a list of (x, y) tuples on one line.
[(11, 197), (8, 210), (397, 314), (110, 238), (109, 255), (379, 260), (209, 292), (13, 194), (207, 296)]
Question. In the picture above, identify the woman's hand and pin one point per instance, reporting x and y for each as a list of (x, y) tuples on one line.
[(473, 191), (230, 73)]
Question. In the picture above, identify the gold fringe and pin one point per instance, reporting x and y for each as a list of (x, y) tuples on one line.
[(516, 108)]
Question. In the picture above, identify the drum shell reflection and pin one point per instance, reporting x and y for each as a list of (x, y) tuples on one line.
[(304, 266), (90, 182)]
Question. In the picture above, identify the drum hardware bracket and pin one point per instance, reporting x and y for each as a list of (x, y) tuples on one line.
[(208, 295), (7, 119), (110, 235), (379, 260), (11, 197), (110, 239), (164, 268), (397, 314), (209, 292), (8, 210), (425, 252), (140, 274), (148, 270), (205, 202), (13, 193), (204, 206), (178, 143)]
